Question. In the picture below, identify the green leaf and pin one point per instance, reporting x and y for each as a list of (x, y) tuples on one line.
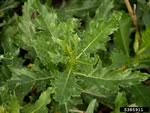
[(46, 53), (120, 101), (7, 42), (122, 36), (65, 84), (97, 35), (45, 21), (106, 85), (140, 95), (145, 40), (105, 9), (40, 105), (26, 30), (143, 53), (48, 32), (91, 106), (11, 52), (23, 79)]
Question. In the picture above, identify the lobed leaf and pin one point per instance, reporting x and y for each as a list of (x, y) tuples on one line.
[(11, 52), (65, 84), (23, 79), (97, 35), (106, 85)]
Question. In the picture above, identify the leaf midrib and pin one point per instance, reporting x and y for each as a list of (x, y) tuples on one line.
[(98, 78), (93, 41), (68, 76)]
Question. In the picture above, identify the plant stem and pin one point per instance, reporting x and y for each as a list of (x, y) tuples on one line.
[(133, 16)]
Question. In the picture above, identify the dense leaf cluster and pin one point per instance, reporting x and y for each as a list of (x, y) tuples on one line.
[(59, 58)]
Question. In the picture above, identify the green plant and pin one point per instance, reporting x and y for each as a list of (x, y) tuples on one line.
[(66, 69)]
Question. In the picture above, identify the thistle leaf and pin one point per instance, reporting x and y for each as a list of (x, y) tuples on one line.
[(65, 84), (26, 30), (11, 52), (97, 35), (106, 85), (23, 79)]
